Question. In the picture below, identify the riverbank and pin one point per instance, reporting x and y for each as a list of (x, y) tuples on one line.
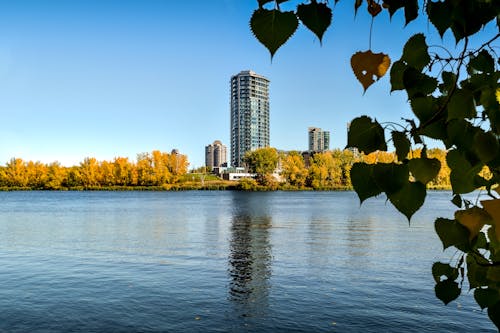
[(193, 186)]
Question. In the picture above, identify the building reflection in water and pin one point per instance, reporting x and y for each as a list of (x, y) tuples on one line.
[(249, 265)]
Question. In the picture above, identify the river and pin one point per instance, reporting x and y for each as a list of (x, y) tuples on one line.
[(202, 261)]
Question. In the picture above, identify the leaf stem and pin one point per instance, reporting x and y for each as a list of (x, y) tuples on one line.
[(451, 92), (370, 35)]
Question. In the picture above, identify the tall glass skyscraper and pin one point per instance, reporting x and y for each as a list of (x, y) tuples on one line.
[(249, 114)]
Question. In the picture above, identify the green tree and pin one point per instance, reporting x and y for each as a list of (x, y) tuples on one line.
[(455, 99), (263, 162)]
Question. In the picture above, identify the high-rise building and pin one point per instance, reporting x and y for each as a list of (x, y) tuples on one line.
[(249, 114), (319, 140), (215, 155)]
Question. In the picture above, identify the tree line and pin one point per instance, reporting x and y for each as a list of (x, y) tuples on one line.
[(329, 170), (324, 170), (150, 169)]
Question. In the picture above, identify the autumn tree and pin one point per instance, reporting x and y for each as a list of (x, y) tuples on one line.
[(89, 171), (56, 175), (122, 171), (293, 169), (455, 99), (105, 175), (15, 173)]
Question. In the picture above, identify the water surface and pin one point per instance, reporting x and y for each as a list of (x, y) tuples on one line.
[(222, 262)]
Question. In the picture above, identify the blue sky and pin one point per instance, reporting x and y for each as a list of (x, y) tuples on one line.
[(107, 78)]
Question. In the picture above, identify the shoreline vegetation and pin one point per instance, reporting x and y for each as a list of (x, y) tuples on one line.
[(160, 171)]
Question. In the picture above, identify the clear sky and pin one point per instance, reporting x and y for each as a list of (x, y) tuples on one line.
[(108, 78)]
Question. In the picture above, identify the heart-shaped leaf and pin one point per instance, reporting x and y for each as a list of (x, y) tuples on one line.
[(317, 17), (440, 269), (447, 290), (363, 182), (366, 135), (273, 28), (440, 15), (390, 177), (415, 52), (473, 219), (424, 169), (452, 233), (409, 198), (369, 67)]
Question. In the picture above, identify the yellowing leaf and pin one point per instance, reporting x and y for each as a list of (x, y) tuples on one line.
[(498, 95), (473, 219), (493, 208), (368, 67)]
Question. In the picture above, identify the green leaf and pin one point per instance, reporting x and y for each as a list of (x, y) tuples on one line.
[(463, 174), (418, 84), (476, 274), (457, 200), (363, 182), (494, 314), (456, 160), (435, 130), (273, 28), (486, 146), (390, 177), (263, 2), (317, 17), (424, 107), (401, 143), (449, 82), (424, 169), (440, 269), (463, 181), (452, 233), (393, 5), (357, 4), (411, 10), (447, 291), (440, 15), (483, 62), (409, 199), (397, 71), (415, 52), (460, 132), (461, 105), (468, 17), (486, 297), (366, 135)]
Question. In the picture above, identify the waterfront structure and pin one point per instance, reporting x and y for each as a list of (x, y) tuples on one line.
[(249, 114), (319, 140), (216, 155)]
